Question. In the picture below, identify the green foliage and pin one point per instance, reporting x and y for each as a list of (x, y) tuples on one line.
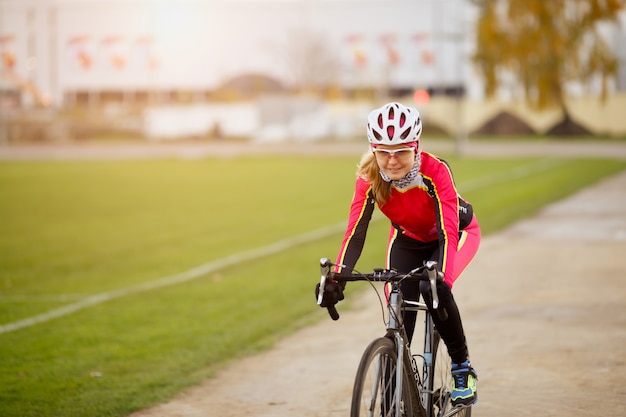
[(544, 44), (71, 229)]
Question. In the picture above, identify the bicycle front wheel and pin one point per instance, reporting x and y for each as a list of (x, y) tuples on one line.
[(375, 393), (442, 383)]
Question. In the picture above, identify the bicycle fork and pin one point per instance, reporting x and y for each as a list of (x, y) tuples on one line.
[(429, 355), (394, 323), (404, 357)]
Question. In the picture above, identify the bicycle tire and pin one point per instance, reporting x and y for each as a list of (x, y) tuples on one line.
[(442, 406), (373, 390)]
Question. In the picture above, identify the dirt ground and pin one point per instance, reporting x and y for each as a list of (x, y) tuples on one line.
[(543, 304), (195, 150)]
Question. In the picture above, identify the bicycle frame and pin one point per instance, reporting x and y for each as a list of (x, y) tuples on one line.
[(396, 307), (426, 386), (421, 396)]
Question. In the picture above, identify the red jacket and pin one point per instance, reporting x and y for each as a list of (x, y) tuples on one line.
[(426, 210)]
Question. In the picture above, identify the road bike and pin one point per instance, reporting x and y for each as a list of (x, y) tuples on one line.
[(391, 381)]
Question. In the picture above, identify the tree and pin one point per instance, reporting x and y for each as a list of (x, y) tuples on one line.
[(309, 60), (544, 44)]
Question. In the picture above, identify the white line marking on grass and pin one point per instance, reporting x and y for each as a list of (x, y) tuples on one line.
[(175, 279), (277, 247), (513, 174)]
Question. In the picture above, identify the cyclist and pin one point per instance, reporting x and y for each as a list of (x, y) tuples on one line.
[(429, 221)]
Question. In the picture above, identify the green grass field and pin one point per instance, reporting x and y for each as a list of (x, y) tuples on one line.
[(70, 230)]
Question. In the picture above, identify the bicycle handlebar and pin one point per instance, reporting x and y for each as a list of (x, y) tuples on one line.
[(427, 272)]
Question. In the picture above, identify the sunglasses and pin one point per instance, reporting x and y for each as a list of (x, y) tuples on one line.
[(389, 153)]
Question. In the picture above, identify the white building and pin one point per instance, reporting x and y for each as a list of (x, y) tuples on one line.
[(53, 51), (62, 46)]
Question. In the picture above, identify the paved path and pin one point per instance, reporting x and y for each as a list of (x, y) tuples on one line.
[(548, 325), (544, 306)]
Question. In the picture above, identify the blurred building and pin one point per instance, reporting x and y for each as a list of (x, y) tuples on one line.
[(61, 51), (158, 54)]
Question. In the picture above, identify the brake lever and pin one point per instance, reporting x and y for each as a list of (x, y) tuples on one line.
[(325, 267), (433, 276)]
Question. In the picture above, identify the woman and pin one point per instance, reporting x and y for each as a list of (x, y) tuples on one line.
[(429, 221)]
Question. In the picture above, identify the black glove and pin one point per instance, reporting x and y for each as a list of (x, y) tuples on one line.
[(333, 293)]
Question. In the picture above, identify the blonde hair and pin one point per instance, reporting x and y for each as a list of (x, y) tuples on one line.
[(369, 171)]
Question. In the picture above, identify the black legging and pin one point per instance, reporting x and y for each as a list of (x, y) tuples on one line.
[(407, 254)]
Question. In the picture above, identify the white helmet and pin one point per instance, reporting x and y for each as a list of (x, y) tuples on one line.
[(393, 124)]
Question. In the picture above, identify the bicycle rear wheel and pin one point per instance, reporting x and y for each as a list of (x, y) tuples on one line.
[(374, 393), (442, 404)]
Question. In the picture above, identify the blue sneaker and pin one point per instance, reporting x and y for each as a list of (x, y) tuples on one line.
[(463, 384)]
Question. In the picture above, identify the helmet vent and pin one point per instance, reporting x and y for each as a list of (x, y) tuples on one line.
[(376, 134), (390, 132), (391, 113), (380, 121), (405, 133), (402, 119)]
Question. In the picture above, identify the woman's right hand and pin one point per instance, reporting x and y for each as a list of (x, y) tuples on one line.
[(333, 293)]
